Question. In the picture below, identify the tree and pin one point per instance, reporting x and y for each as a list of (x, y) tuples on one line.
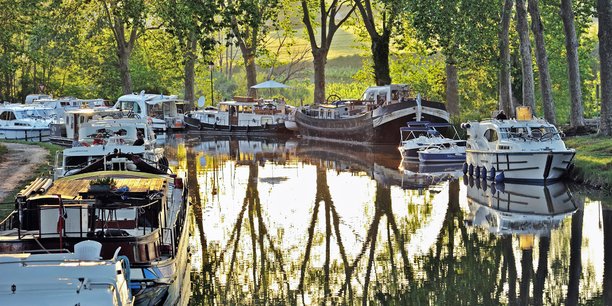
[(463, 31), (571, 47), (125, 16), (327, 28), (522, 28), (542, 61), (505, 81), (191, 23), (604, 13), (249, 21), (387, 11)]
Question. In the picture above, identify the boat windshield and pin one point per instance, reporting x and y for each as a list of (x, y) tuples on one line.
[(520, 133), (32, 113)]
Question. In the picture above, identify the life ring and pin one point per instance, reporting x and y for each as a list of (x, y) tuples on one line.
[(149, 120)]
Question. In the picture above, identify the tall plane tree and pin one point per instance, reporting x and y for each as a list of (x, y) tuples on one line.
[(542, 61), (380, 33), (604, 13), (522, 27), (249, 21), (126, 19), (571, 47), (463, 31), (327, 29), (191, 23), (505, 80)]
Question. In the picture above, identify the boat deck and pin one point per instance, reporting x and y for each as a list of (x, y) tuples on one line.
[(75, 187)]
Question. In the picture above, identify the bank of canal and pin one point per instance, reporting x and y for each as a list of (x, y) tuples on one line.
[(593, 161)]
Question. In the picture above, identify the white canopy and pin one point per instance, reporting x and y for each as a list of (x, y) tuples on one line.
[(270, 84)]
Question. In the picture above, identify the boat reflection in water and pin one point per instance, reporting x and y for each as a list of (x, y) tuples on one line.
[(298, 222), (519, 209), (420, 175)]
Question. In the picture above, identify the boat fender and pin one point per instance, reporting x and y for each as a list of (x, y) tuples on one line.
[(465, 168), (492, 173), (465, 180), (471, 169), (499, 177), (477, 180), (484, 184), (493, 188), (483, 173), (471, 181), (477, 172), (500, 186)]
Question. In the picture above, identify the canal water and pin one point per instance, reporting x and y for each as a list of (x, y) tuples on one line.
[(300, 222)]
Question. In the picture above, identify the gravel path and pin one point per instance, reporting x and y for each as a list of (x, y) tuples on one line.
[(19, 165)]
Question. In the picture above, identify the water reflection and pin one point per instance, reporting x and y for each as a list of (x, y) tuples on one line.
[(299, 222)]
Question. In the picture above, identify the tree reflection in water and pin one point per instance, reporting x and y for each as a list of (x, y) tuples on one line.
[(334, 262)]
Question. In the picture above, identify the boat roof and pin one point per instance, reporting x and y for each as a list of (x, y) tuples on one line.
[(121, 122), (72, 186), (148, 98), (18, 106), (509, 123), (239, 103)]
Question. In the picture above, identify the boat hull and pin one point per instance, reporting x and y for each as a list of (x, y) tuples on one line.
[(379, 126), (524, 166), (32, 134), (441, 157), (196, 124)]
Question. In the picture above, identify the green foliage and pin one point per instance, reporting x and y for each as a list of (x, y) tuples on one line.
[(593, 160)]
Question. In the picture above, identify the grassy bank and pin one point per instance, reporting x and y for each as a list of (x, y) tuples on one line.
[(593, 160), (44, 169)]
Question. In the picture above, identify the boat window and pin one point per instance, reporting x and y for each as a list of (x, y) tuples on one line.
[(504, 133), (4, 116), (491, 135)]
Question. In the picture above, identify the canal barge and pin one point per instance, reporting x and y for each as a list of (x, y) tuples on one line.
[(374, 119), (119, 202)]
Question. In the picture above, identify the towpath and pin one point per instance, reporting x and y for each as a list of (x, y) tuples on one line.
[(19, 165)]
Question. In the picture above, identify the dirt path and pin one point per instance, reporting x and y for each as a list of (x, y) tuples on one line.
[(19, 165)]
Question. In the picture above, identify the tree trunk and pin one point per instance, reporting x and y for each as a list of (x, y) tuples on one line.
[(320, 60), (251, 73), (522, 28), (190, 59), (607, 246), (542, 60), (124, 70), (505, 85), (452, 90), (380, 57), (571, 47), (604, 13)]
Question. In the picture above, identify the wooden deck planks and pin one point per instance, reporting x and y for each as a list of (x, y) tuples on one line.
[(72, 188)]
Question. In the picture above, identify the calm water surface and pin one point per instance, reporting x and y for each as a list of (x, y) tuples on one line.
[(297, 222)]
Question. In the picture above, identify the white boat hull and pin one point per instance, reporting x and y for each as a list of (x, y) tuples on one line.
[(524, 166), (30, 134)]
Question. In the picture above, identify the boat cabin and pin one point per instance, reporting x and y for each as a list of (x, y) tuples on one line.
[(387, 94), (74, 119), (160, 110)]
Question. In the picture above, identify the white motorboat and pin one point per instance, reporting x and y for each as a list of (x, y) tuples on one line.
[(526, 149), (79, 278), (98, 138), (24, 122), (159, 110), (419, 135), (242, 116), (519, 209)]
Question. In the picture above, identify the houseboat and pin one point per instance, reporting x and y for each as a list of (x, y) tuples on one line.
[(526, 149), (375, 118), (161, 111), (241, 116), (121, 202), (25, 122), (98, 138)]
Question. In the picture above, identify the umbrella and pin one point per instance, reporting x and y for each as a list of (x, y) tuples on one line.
[(270, 84)]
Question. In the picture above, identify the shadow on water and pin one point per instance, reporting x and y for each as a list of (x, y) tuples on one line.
[(297, 222)]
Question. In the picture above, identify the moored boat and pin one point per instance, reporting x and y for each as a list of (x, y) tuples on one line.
[(118, 201), (161, 111), (25, 122), (442, 153), (419, 135), (374, 119), (65, 278), (526, 149), (242, 116)]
